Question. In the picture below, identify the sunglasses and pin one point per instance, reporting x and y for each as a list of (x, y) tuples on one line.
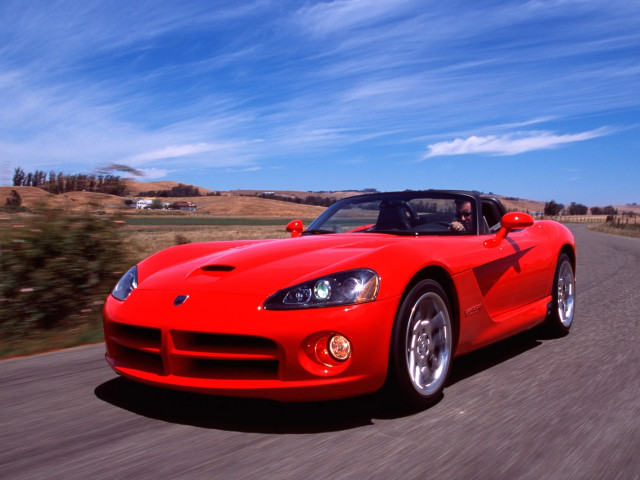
[(465, 213)]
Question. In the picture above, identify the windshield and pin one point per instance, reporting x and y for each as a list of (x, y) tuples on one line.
[(427, 213)]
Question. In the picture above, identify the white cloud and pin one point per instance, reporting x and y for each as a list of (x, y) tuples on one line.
[(510, 144), (335, 16), (173, 151), (153, 174), (248, 169)]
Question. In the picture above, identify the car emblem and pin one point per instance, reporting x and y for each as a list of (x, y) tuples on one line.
[(180, 299)]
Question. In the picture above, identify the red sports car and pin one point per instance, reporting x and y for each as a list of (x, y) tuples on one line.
[(381, 289)]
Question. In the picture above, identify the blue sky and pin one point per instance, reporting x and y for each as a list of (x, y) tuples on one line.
[(535, 99)]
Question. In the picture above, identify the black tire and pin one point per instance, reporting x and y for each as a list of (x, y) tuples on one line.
[(421, 346), (563, 305)]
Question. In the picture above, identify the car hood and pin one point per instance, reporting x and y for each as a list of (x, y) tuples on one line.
[(266, 266)]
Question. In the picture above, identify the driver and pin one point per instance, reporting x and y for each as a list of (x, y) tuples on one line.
[(464, 215)]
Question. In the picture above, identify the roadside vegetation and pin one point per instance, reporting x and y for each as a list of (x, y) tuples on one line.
[(56, 271), (58, 267), (618, 226)]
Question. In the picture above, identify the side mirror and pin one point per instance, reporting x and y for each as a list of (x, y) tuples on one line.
[(295, 228), (510, 221), (516, 220)]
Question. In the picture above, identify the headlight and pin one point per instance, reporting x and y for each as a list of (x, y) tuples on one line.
[(126, 284), (344, 288)]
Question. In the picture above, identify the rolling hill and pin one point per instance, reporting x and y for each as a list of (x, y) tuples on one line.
[(229, 203)]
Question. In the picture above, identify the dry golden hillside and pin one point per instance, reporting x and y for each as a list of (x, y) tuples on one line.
[(521, 205), (225, 205), (229, 203), (135, 188), (35, 198), (294, 193)]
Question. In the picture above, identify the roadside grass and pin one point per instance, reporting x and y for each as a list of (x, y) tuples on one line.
[(54, 339), (630, 230), (145, 241), (140, 241), (183, 221)]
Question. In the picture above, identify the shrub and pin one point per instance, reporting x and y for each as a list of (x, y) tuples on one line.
[(57, 269), (551, 208), (13, 203), (181, 239)]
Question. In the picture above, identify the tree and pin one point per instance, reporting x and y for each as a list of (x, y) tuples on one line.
[(577, 209), (61, 183), (156, 204), (18, 177), (609, 210), (551, 208)]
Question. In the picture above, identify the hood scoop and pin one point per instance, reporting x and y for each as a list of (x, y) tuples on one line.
[(211, 272), (217, 268)]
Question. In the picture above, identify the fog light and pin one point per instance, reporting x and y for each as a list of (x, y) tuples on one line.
[(339, 348)]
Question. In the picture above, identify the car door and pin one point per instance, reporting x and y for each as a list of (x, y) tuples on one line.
[(520, 275)]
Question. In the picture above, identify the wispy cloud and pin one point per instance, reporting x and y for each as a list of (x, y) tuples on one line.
[(173, 151), (325, 18), (510, 144), (215, 87), (153, 174)]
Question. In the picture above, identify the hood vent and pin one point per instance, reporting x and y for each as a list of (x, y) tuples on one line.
[(218, 268)]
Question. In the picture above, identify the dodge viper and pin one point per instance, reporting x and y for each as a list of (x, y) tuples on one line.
[(381, 289)]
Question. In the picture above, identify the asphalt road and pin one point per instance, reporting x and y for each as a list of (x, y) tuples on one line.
[(530, 407)]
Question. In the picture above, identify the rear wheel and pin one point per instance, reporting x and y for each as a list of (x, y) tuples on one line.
[(563, 297), (422, 344)]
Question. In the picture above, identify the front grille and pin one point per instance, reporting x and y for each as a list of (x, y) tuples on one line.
[(143, 338), (224, 356), (136, 347), (137, 359), (193, 354), (222, 344)]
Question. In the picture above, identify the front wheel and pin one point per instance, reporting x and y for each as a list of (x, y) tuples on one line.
[(422, 345), (563, 297)]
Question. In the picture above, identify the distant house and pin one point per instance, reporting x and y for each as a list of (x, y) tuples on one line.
[(188, 206), (142, 203)]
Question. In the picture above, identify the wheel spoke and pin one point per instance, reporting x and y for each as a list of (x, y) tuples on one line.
[(426, 375), (417, 375), (438, 321)]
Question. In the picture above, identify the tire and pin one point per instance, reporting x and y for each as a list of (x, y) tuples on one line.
[(421, 346), (563, 304)]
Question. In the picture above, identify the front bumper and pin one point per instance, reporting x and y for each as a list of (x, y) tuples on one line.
[(226, 344)]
